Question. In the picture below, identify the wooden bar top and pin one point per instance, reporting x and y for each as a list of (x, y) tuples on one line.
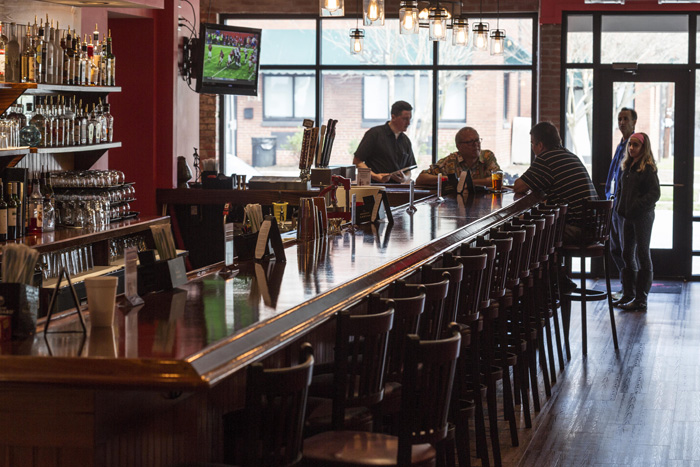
[(196, 335)]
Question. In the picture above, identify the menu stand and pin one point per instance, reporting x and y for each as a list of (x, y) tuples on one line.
[(61, 274)]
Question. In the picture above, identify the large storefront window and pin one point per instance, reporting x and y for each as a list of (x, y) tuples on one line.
[(262, 134)]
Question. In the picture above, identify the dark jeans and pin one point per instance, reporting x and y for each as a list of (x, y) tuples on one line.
[(635, 242), (616, 241)]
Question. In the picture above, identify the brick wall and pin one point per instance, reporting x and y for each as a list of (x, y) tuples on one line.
[(550, 73)]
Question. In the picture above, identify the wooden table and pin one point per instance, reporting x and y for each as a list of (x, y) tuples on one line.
[(152, 389)]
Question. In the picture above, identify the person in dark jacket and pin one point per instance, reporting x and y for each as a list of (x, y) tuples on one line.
[(639, 192)]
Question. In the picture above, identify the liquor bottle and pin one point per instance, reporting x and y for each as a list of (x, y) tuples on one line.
[(40, 45), (11, 212), (48, 52), (48, 125), (76, 59), (3, 48), (84, 75), (35, 209), (96, 119), (3, 215), (39, 121), (89, 126), (83, 125), (95, 58), (68, 58), (64, 127), (28, 59), (59, 43), (108, 129), (49, 223), (110, 62), (12, 60)]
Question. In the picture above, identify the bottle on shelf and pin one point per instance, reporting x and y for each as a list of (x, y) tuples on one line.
[(40, 45), (12, 56), (95, 58), (76, 62), (35, 209), (28, 59), (3, 49), (110, 62), (83, 124), (48, 52), (39, 121), (20, 200), (58, 43), (70, 123), (96, 119), (84, 68), (89, 126), (68, 58), (108, 128), (11, 212), (3, 215), (49, 224)]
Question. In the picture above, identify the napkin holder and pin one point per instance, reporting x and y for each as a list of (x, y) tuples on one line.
[(244, 246), (161, 275), (21, 303)]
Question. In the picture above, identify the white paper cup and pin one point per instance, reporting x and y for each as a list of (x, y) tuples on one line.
[(101, 295)]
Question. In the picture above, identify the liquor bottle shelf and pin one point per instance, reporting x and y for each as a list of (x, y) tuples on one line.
[(18, 151), (42, 89), (85, 148)]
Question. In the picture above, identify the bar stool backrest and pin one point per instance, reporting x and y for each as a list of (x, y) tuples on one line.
[(551, 242), (490, 252), (407, 313), (596, 229), (515, 257), (360, 357), (471, 285), (500, 264), (430, 274), (426, 389), (435, 296), (538, 239), (528, 244), (275, 411), (547, 233)]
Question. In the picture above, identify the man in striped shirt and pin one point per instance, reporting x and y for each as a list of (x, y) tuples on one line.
[(559, 175)]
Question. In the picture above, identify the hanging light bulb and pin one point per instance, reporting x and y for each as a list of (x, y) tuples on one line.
[(423, 17), (335, 8), (438, 24), (460, 31), (480, 39), (408, 17), (356, 38), (498, 41), (373, 12)]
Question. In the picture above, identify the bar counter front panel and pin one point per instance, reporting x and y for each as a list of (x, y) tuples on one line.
[(180, 354)]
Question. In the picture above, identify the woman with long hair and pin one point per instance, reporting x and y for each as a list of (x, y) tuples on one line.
[(639, 192)]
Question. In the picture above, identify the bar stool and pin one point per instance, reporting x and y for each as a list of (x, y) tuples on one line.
[(430, 273), (429, 369), (594, 242), (436, 294), (275, 397), (358, 381)]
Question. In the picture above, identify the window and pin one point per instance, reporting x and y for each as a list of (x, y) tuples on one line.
[(288, 97), (306, 67)]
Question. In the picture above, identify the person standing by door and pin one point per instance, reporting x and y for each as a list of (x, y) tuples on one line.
[(638, 193), (626, 121)]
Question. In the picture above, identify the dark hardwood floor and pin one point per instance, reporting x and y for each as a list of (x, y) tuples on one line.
[(638, 406)]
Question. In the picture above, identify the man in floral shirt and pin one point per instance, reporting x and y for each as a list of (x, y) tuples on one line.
[(468, 156)]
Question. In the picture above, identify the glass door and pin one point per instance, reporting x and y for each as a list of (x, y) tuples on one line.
[(660, 98)]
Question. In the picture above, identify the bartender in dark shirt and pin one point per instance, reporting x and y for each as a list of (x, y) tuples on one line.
[(386, 149)]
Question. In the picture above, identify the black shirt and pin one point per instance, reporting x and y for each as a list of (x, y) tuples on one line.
[(563, 178), (383, 152)]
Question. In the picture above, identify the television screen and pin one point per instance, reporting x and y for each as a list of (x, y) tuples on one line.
[(229, 60)]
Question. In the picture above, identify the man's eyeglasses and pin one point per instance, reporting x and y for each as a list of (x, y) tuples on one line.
[(471, 141)]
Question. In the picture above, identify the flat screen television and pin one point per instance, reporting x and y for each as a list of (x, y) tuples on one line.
[(229, 60)]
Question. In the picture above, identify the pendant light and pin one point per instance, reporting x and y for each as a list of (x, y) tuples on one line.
[(335, 8), (408, 17), (460, 28), (357, 35), (437, 21), (480, 41), (498, 36), (373, 12)]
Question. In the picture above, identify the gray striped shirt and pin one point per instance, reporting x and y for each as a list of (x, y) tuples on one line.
[(562, 177)]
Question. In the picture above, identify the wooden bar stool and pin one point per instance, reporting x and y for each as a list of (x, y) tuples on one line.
[(594, 242), (275, 397), (358, 381), (429, 369), (435, 297)]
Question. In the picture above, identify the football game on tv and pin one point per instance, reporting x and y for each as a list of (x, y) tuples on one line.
[(230, 60)]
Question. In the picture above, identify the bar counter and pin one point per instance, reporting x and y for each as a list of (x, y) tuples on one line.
[(180, 354)]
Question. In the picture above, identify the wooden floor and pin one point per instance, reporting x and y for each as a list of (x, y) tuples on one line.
[(638, 406)]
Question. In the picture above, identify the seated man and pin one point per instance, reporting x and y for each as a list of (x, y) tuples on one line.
[(386, 149), (559, 175), (469, 156)]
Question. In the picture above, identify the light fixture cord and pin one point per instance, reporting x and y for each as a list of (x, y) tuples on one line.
[(481, 9), (498, 13), (359, 12)]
